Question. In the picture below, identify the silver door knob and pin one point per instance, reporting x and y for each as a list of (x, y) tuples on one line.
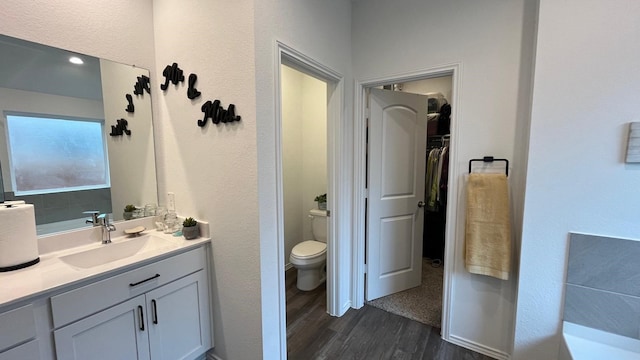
[(421, 204)]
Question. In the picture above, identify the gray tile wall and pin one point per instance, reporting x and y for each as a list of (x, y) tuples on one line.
[(603, 284), (69, 205)]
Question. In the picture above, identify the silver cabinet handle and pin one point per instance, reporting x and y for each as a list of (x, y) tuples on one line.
[(155, 311), (140, 318), (421, 204)]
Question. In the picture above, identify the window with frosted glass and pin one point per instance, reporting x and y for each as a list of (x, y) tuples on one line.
[(53, 154)]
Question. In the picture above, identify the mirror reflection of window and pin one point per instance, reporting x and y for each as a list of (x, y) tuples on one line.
[(39, 79), (51, 154)]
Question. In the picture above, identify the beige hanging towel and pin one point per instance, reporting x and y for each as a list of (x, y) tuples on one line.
[(488, 226)]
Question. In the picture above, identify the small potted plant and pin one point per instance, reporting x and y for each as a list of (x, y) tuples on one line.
[(190, 228), (322, 201), (128, 211)]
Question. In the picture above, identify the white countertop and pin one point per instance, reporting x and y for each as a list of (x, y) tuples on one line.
[(51, 273), (581, 342)]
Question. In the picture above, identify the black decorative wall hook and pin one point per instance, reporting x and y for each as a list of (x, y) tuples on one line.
[(130, 108), (192, 92), (143, 84), (120, 129), (172, 73), (217, 113)]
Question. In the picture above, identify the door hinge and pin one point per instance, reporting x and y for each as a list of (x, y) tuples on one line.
[(328, 213), (366, 193), (365, 268)]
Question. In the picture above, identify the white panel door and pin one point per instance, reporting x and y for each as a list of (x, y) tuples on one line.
[(397, 155), (179, 326), (120, 332)]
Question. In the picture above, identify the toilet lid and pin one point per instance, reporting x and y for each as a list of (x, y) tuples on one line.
[(308, 249)]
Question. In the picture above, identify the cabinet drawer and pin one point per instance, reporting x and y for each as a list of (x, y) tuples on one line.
[(19, 325), (79, 303), (30, 350)]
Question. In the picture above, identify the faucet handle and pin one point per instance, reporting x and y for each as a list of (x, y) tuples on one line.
[(103, 219), (94, 217)]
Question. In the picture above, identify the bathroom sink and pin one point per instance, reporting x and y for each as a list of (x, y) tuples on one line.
[(117, 250)]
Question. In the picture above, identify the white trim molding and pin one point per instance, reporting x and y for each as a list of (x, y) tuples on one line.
[(211, 356), (479, 348)]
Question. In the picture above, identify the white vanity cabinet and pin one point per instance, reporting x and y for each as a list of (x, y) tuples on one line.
[(30, 350), (18, 340), (115, 333), (178, 318), (159, 311)]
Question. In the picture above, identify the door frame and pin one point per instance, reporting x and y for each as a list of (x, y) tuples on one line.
[(360, 175), (338, 246)]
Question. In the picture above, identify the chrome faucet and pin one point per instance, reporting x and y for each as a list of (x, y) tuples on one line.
[(103, 221), (94, 217)]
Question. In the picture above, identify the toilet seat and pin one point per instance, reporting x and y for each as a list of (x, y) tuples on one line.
[(308, 249)]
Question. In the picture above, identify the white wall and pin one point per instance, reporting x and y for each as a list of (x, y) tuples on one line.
[(118, 30), (213, 170), (585, 94), (292, 113), (319, 29), (304, 152), (39, 103), (490, 39), (132, 164), (314, 148), (440, 84)]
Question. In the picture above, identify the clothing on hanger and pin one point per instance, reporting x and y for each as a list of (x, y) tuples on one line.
[(435, 182)]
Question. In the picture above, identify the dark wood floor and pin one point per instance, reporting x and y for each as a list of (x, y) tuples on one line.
[(366, 333)]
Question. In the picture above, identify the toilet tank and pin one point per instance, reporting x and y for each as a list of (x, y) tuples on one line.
[(319, 224)]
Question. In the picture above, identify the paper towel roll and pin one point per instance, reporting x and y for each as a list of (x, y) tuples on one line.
[(18, 238)]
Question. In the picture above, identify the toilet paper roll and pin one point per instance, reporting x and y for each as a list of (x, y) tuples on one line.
[(18, 238)]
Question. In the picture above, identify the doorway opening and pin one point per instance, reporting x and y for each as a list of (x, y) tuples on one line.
[(406, 274), (309, 168), (363, 197), (304, 184)]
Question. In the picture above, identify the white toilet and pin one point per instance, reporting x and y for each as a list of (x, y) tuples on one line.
[(310, 256)]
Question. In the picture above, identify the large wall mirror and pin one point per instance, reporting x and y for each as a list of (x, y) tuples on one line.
[(57, 109)]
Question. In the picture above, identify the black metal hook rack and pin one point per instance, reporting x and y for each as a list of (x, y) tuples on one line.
[(491, 159)]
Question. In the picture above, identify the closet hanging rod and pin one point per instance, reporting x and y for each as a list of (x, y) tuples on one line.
[(488, 159)]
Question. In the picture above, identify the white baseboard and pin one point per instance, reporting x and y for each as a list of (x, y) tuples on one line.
[(479, 348), (345, 307), (211, 356)]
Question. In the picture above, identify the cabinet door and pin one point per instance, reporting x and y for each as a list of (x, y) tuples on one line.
[(22, 328), (120, 332), (30, 350), (179, 322)]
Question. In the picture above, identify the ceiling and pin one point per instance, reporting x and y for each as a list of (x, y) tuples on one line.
[(34, 67)]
